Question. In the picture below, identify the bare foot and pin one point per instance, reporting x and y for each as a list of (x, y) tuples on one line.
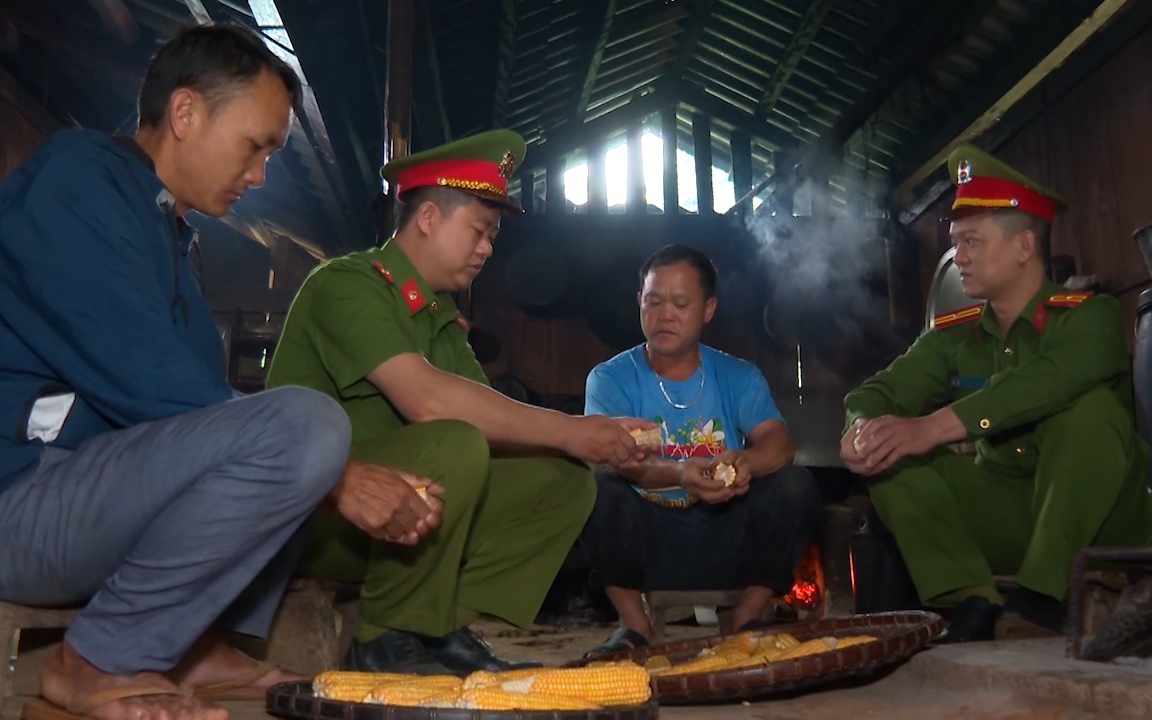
[(71, 682), (211, 660)]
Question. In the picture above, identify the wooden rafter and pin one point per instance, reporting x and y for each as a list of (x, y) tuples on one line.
[(790, 59), (505, 54), (694, 30), (1026, 69), (594, 54)]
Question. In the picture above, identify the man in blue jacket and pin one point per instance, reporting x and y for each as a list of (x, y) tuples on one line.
[(133, 480)]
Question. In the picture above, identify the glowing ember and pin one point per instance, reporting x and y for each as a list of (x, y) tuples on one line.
[(807, 578), (803, 593)]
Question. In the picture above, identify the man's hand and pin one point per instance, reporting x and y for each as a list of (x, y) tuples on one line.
[(605, 441), (886, 440), (696, 478), (383, 502), (739, 461)]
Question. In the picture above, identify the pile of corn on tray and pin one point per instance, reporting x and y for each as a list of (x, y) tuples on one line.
[(588, 688), (749, 650), (602, 684)]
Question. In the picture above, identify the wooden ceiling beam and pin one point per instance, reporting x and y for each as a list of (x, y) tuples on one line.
[(793, 54), (594, 45), (505, 55)]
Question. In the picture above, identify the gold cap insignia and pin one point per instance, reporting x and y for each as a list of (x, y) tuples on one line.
[(507, 164), (964, 172)]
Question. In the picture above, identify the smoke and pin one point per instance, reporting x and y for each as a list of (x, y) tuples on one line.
[(827, 287)]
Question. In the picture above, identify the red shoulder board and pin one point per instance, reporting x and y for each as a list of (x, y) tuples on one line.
[(461, 321), (1068, 299), (956, 317)]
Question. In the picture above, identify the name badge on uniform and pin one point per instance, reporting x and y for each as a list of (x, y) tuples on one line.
[(968, 382)]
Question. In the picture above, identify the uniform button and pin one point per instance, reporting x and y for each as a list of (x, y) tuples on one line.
[(1019, 450), (432, 304), (1007, 351), (985, 423)]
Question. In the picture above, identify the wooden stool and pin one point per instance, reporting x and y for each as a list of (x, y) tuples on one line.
[(659, 601), (13, 619)]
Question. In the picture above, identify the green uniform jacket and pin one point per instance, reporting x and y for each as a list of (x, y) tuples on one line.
[(354, 313), (1000, 387)]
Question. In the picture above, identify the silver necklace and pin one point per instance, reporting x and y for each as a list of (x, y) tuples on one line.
[(678, 406)]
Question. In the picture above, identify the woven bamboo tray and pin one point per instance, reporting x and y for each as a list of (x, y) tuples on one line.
[(899, 635), (295, 701)]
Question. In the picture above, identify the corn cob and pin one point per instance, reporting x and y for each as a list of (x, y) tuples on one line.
[(401, 693), (623, 684), (657, 662), (350, 686), (745, 642), (725, 473), (853, 640), (487, 698), (709, 663), (483, 678), (780, 641), (715, 663), (811, 647)]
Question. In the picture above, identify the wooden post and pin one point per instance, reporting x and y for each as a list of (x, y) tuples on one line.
[(398, 90), (669, 130), (597, 178), (637, 195), (742, 169), (533, 189), (702, 150), (556, 201)]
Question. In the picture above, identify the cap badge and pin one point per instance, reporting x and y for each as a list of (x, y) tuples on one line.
[(507, 164), (964, 172)]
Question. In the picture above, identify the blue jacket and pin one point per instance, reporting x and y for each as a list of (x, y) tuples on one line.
[(97, 297)]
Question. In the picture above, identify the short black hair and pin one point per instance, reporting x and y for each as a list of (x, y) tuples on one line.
[(1013, 221), (446, 199), (216, 61), (672, 254)]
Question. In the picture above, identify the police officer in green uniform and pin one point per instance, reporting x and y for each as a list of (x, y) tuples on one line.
[(379, 332), (1039, 378)]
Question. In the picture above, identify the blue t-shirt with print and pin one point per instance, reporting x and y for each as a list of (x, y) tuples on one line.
[(726, 397)]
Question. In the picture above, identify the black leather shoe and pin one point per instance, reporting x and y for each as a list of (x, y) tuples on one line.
[(1029, 614), (973, 620), (462, 651), (393, 652)]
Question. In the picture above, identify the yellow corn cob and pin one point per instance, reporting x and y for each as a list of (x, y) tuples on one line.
[(853, 640), (709, 663), (350, 686), (781, 641), (716, 663), (496, 699), (623, 684), (401, 693), (657, 662), (483, 678), (745, 642), (811, 647)]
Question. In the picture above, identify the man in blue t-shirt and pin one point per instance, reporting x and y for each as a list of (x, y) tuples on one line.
[(667, 523)]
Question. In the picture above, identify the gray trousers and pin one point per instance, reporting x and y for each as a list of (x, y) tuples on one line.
[(167, 528)]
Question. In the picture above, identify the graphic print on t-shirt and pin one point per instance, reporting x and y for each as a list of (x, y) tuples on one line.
[(695, 437)]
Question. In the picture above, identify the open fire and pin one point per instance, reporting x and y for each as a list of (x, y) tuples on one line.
[(808, 587)]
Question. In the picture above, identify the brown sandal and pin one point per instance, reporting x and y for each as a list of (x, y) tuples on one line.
[(239, 689)]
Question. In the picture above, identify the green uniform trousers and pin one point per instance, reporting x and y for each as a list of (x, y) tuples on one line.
[(958, 523), (506, 528)]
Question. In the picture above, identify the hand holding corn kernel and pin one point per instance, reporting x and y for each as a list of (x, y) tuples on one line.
[(588, 688), (725, 473), (751, 649), (652, 438)]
